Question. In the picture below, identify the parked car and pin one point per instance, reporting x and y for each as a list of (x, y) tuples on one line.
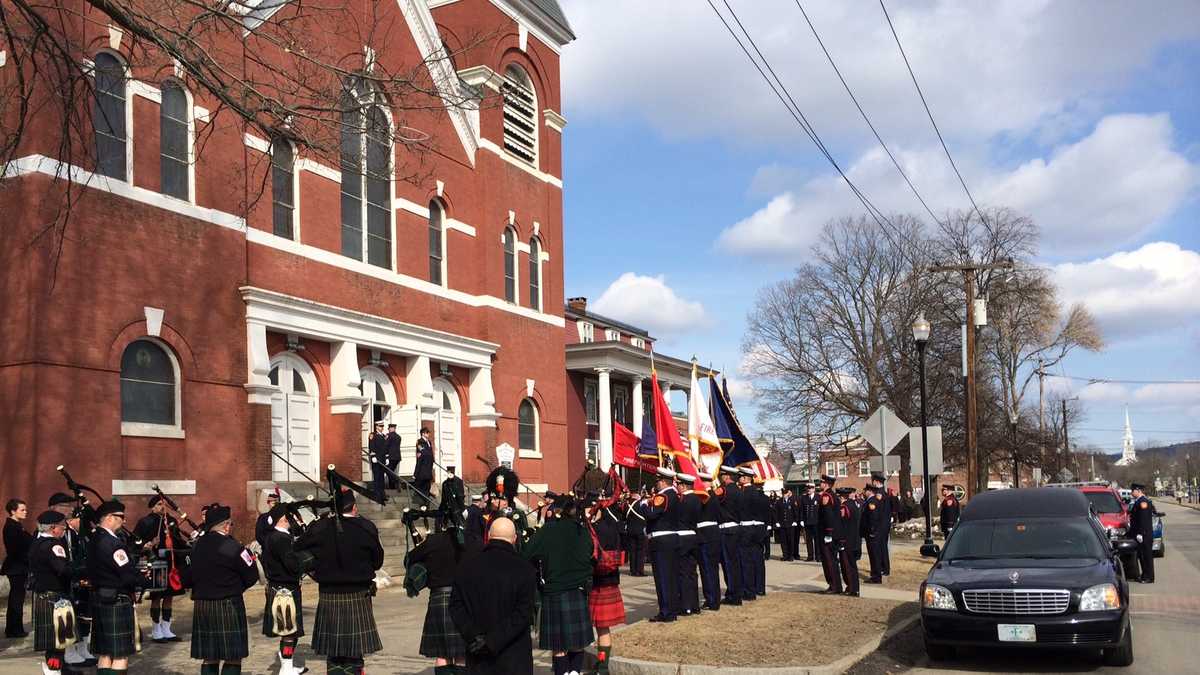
[(1030, 567), (1160, 547)]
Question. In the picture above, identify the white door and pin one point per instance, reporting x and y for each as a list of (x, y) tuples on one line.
[(294, 425), (407, 419), (447, 432)]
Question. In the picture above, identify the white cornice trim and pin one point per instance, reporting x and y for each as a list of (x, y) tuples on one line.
[(481, 76), (288, 313), (459, 226), (525, 12), (554, 120), (315, 167), (485, 144), (425, 34), (259, 144)]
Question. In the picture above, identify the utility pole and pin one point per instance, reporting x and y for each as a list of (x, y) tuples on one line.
[(975, 481), (1066, 437)]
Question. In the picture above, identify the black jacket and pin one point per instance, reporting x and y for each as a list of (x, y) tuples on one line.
[(710, 512), (424, 467), (279, 565), (49, 565), (808, 510), (441, 556), (110, 565), (150, 530), (829, 520), (16, 548), (662, 515), (393, 447), (948, 510), (635, 522), (1141, 519), (493, 598), (473, 524), (378, 445), (263, 527), (851, 525), (345, 561), (873, 521), (454, 494), (608, 537), (221, 568)]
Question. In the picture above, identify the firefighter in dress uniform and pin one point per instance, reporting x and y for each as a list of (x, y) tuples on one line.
[(690, 507), (115, 579), (50, 581), (661, 512), (729, 497), (1141, 528), (283, 617), (948, 510), (708, 534), (888, 504), (873, 530), (849, 534), (808, 521), (829, 525)]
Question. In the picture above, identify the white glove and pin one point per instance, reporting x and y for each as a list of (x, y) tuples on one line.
[(828, 540), (1139, 538), (802, 523)]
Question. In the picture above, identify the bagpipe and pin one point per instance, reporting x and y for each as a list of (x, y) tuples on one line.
[(172, 558)]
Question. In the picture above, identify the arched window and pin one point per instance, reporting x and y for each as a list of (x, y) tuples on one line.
[(149, 388), (437, 243), (175, 140), (535, 274), (527, 426), (108, 117), (283, 188), (366, 162), (510, 265), (520, 114)]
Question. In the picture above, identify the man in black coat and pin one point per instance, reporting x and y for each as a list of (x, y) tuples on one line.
[(874, 531), (635, 524), (221, 570), (1141, 529), (454, 496), (393, 456), (491, 605), (808, 521), (377, 447), (423, 472), (16, 566)]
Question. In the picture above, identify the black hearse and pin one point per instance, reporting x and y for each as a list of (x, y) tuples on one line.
[(1028, 568)]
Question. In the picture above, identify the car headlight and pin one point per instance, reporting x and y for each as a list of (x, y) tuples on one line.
[(1100, 598), (938, 597), (1114, 532)]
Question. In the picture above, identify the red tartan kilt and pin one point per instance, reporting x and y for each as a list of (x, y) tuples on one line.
[(607, 607)]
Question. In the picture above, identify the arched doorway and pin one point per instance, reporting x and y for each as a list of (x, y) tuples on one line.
[(447, 427), (295, 433), (377, 388)]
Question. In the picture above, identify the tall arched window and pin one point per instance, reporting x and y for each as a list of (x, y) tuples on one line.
[(510, 265), (520, 114), (149, 387), (108, 117), (366, 162), (535, 274), (437, 243), (527, 426), (175, 140), (283, 188)]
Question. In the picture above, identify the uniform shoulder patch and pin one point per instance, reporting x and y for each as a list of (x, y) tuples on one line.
[(247, 557), (824, 500), (120, 557), (871, 506), (720, 491), (59, 551), (1144, 505), (658, 502)]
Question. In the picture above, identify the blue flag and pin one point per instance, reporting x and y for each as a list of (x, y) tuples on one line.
[(648, 448), (737, 447)]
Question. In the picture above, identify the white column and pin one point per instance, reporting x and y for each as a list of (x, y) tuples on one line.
[(345, 382), (638, 411), (258, 365), (483, 399), (418, 383), (605, 405)]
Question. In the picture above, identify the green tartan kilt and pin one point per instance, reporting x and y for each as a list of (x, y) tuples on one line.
[(113, 625), (345, 625), (43, 620), (269, 618), (219, 630), (566, 623)]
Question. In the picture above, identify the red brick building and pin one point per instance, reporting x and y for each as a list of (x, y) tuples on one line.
[(191, 327)]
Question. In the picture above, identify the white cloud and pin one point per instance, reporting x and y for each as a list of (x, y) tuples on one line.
[(648, 302), (1136, 293), (1107, 189), (986, 68)]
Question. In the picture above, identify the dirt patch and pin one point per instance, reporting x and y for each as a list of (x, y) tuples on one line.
[(781, 629), (909, 569)]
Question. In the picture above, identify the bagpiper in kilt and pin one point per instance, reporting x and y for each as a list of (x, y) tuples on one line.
[(605, 603), (80, 520), (344, 564), (567, 552), (114, 577), (159, 531), (283, 584), (221, 570), (50, 578), (440, 554)]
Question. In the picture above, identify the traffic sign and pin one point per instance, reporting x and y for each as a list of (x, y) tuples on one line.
[(883, 430), (934, 437), (893, 464)]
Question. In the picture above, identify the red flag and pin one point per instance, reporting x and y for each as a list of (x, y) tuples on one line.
[(625, 445), (669, 441)]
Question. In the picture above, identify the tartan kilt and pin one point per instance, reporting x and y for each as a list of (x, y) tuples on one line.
[(345, 625), (566, 624), (607, 606), (43, 620), (269, 617), (113, 624), (439, 637), (219, 630)]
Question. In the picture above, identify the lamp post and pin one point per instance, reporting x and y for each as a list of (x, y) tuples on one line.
[(1012, 417), (920, 330)]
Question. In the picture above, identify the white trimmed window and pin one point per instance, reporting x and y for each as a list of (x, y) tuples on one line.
[(638, 342), (437, 243), (175, 141), (109, 117), (366, 163), (591, 401), (612, 335), (843, 469), (510, 264), (150, 392), (535, 274), (283, 188), (520, 114), (527, 427), (864, 467), (587, 331)]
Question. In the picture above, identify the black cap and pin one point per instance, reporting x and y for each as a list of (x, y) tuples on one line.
[(110, 507), (215, 515), (345, 499), (278, 511), (153, 501), (878, 475), (1137, 486), (868, 486), (830, 480), (391, 426), (60, 498), (50, 518), (846, 490)]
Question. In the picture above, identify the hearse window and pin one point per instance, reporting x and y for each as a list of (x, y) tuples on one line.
[(1028, 538)]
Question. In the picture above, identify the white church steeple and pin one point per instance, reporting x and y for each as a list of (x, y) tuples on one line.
[(1128, 453)]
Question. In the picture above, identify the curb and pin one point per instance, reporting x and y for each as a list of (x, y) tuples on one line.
[(620, 665)]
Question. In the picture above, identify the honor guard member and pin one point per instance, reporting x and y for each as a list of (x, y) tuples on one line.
[(159, 531), (221, 570), (808, 521), (1141, 528), (283, 617), (474, 523), (377, 448), (786, 519), (873, 530), (344, 565), (948, 510), (454, 495), (79, 520), (689, 557), (729, 497), (115, 579), (50, 581), (755, 513), (708, 535), (635, 529), (849, 533), (829, 526), (661, 512), (854, 531), (887, 503)]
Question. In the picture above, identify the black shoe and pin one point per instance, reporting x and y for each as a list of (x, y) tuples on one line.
[(1147, 581), (734, 603), (659, 618), (872, 581), (810, 560), (853, 594), (830, 591), (712, 608)]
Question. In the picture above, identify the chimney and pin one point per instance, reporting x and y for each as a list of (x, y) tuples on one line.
[(577, 304)]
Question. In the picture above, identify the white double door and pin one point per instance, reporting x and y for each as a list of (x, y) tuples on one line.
[(295, 436), (445, 423)]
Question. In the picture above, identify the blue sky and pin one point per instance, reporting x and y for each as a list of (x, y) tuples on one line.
[(688, 187)]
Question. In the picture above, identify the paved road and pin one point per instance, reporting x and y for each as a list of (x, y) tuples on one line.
[(1166, 623)]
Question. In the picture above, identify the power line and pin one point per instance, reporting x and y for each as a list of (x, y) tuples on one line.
[(1145, 431), (928, 112), (864, 115), (793, 109), (1105, 380)]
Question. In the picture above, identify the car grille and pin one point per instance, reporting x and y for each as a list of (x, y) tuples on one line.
[(1017, 601), (1075, 639)]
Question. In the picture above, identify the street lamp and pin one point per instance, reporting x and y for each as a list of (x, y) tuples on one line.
[(1012, 417), (920, 330)]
